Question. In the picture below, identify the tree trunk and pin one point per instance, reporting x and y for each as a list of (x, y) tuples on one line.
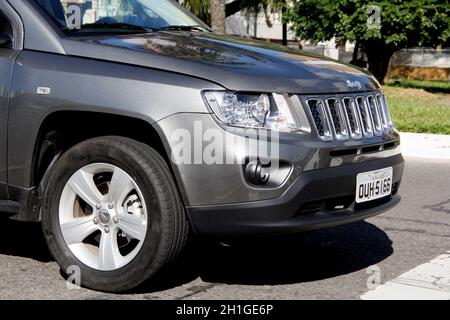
[(379, 55), (285, 26), (341, 49), (355, 53), (218, 15)]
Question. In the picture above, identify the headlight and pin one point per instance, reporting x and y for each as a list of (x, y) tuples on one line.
[(269, 111)]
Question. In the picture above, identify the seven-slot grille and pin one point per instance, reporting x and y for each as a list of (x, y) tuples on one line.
[(350, 117)]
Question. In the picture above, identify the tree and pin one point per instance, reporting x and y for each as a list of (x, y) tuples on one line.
[(200, 8), (252, 5), (204, 9), (218, 15), (404, 23)]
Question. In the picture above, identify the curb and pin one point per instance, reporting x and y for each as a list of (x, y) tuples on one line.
[(430, 146)]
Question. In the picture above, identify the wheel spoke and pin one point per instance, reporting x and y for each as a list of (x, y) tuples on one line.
[(83, 185), (133, 226), (108, 251), (76, 230), (119, 187), (103, 252)]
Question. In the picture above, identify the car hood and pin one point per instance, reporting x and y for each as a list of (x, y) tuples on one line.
[(235, 63)]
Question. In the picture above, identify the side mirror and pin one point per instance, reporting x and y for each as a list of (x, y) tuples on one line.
[(5, 40)]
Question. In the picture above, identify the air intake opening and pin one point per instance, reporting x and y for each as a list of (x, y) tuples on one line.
[(371, 149), (311, 207), (340, 203), (390, 145), (343, 152), (329, 205)]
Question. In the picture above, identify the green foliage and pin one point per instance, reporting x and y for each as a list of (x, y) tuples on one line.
[(199, 7), (415, 110), (403, 22), (262, 6), (430, 86)]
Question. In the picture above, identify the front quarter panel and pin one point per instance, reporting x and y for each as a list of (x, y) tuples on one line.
[(77, 84)]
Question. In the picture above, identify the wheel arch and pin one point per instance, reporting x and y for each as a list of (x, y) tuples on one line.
[(63, 129)]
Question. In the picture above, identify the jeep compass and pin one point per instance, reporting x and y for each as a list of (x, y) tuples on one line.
[(127, 125)]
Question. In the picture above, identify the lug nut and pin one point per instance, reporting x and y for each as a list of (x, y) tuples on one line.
[(96, 220), (98, 206), (106, 229), (111, 205), (116, 219)]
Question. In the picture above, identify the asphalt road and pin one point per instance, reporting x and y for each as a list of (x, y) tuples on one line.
[(328, 264)]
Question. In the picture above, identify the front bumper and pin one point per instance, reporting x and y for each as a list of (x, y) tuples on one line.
[(317, 199)]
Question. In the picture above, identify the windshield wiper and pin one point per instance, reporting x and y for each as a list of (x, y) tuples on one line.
[(115, 25), (133, 27), (183, 28)]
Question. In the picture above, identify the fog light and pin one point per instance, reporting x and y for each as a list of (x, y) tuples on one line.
[(257, 173)]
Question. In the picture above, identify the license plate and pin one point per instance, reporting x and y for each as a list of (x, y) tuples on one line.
[(373, 185)]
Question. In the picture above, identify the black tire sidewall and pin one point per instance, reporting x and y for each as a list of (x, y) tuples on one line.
[(152, 255)]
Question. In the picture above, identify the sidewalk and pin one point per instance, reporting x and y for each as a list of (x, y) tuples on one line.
[(420, 145), (429, 281)]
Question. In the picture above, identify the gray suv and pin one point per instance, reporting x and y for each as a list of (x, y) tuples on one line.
[(125, 126)]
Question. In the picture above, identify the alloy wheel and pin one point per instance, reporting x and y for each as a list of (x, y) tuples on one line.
[(103, 216)]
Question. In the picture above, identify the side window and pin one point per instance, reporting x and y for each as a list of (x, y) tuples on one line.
[(5, 27)]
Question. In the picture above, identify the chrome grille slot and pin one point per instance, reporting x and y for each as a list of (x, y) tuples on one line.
[(391, 124), (387, 121), (338, 121), (320, 118), (353, 121), (382, 111), (366, 119), (375, 114), (344, 117)]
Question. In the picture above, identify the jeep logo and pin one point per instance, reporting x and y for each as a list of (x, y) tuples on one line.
[(354, 84)]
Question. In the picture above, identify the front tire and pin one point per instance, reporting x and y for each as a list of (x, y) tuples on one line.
[(112, 209)]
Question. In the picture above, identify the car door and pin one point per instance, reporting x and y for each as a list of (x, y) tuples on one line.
[(7, 56)]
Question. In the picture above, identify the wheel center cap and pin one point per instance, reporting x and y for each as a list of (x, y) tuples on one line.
[(104, 216)]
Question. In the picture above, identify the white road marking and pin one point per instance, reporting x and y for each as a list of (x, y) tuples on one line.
[(429, 281)]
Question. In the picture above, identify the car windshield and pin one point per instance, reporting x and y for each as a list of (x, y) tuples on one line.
[(86, 16)]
